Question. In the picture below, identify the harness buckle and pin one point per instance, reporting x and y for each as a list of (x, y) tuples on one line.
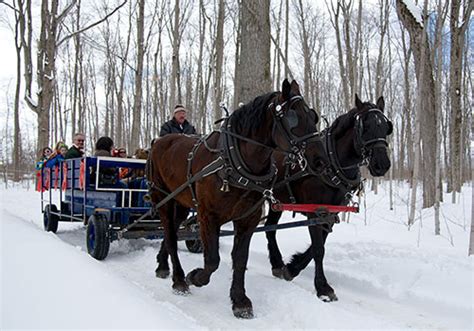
[(348, 196), (336, 181), (243, 181), (268, 194), (190, 156)]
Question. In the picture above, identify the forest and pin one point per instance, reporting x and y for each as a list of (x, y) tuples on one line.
[(118, 68)]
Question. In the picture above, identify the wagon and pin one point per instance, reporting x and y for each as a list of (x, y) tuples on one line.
[(88, 190)]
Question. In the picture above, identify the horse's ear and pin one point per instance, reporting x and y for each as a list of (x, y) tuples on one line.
[(295, 88), (285, 89), (358, 102), (381, 103)]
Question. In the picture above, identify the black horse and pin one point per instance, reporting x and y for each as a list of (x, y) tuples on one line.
[(355, 138), (229, 174)]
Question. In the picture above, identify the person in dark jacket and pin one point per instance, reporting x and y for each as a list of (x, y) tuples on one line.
[(108, 177), (104, 146), (178, 124), (77, 148)]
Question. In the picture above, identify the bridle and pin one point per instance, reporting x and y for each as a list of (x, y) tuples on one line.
[(236, 172), (365, 147), (285, 122)]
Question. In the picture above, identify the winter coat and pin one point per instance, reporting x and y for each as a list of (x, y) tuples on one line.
[(172, 126), (54, 161), (101, 152), (73, 152)]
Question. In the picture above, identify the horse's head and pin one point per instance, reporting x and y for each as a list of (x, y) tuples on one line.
[(371, 129), (294, 121)]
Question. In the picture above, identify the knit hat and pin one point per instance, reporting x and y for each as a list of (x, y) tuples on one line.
[(179, 108)]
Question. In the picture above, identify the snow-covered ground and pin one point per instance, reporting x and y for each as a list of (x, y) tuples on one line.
[(385, 276)]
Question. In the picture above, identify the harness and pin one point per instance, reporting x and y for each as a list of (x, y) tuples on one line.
[(231, 167), (330, 170)]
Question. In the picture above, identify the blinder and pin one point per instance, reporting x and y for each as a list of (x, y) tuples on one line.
[(286, 121)]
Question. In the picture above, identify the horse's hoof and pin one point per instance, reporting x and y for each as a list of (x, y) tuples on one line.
[(181, 288), (162, 273), (287, 274), (330, 297), (278, 273), (192, 278), (243, 312)]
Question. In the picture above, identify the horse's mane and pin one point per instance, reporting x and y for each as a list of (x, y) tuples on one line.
[(251, 115)]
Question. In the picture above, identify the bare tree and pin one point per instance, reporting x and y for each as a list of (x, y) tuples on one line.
[(424, 74), (137, 101), (254, 59), (458, 32), (219, 56), (347, 55), (19, 34)]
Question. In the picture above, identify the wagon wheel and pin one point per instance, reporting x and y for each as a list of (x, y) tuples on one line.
[(50, 221), (97, 237), (195, 245)]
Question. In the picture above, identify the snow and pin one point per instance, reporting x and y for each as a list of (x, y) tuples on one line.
[(414, 10), (385, 276)]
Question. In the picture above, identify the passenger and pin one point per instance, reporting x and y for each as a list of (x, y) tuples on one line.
[(131, 175), (108, 177), (77, 148), (123, 172), (122, 152), (58, 155), (178, 124), (45, 154), (104, 146)]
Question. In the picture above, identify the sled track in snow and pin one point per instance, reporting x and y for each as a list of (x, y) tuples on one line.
[(134, 261)]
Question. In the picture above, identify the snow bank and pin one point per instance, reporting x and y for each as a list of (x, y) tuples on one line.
[(47, 283)]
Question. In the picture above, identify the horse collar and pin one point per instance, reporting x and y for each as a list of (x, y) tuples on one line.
[(334, 171)]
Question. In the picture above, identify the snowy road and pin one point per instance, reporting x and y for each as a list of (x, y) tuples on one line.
[(385, 277)]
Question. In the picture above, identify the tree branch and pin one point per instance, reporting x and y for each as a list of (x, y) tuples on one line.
[(2, 2), (92, 25)]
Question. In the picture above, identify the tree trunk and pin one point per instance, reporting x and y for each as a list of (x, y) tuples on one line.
[(455, 79), (424, 73), (219, 47), (174, 57), (255, 77), (137, 102), (19, 36)]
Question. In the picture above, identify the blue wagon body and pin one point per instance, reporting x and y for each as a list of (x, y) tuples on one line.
[(89, 190)]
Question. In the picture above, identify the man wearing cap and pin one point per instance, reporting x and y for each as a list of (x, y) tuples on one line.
[(178, 124)]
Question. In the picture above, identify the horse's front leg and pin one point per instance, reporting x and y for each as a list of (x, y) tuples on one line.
[(318, 238), (163, 269), (209, 230), (274, 254), (241, 304)]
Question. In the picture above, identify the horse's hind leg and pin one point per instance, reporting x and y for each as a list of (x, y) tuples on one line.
[(299, 262), (163, 269), (274, 254), (318, 238), (209, 231), (170, 224)]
